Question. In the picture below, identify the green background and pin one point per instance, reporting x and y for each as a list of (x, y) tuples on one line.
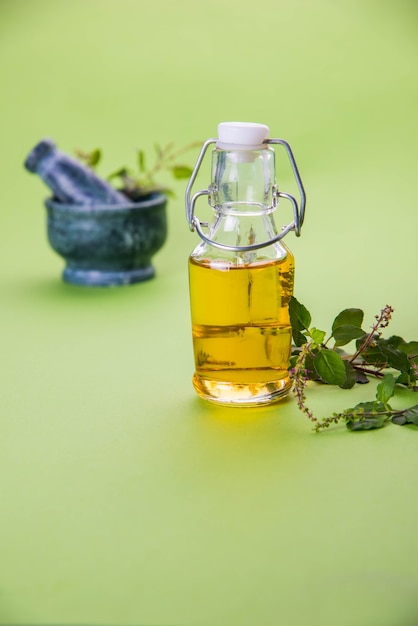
[(124, 498)]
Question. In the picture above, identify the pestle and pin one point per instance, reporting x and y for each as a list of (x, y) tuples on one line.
[(70, 181)]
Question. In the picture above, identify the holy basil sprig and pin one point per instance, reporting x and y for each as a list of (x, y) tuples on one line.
[(393, 360), (141, 180)]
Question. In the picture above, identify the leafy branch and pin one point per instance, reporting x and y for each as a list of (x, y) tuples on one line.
[(136, 183), (394, 361)]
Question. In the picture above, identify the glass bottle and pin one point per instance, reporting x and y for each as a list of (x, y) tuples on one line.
[(241, 273)]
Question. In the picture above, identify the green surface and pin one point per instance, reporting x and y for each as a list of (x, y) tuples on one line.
[(124, 498)]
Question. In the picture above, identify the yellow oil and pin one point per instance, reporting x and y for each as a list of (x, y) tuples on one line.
[(241, 329)]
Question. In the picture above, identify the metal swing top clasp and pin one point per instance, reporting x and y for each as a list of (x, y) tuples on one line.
[(243, 136)]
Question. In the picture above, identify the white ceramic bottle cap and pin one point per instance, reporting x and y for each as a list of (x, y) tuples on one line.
[(241, 135)]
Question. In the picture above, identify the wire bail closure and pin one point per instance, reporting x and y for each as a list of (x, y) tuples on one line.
[(298, 210)]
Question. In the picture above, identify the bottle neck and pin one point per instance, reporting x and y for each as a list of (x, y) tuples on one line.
[(242, 178)]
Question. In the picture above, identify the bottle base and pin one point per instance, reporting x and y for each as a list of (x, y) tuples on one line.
[(241, 394)]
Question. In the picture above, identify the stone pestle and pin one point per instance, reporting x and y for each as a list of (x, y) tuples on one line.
[(70, 181)]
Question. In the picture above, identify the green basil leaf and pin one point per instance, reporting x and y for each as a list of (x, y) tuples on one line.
[(350, 376), (95, 157), (353, 317), (369, 423), (181, 171), (141, 160), (317, 335), (395, 341), (372, 406), (330, 367), (368, 416), (119, 173), (345, 333), (411, 350), (394, 358), (310, 370), (400, 420), (300, 318), (298, 338), (386, 388), (411, 415)]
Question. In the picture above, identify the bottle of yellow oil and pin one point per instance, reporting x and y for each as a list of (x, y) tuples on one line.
[(241, 273)]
